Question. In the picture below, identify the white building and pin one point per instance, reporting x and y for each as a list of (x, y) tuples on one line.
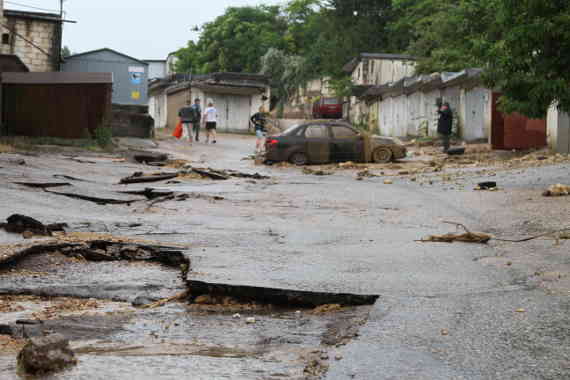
[(374, 69), (156, 68)]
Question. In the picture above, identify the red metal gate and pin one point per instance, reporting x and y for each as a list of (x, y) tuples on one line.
[(515, 131)]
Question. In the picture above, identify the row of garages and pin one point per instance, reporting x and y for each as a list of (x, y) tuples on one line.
[(408, 107)]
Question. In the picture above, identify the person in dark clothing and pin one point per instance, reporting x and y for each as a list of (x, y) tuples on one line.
[(186, 115), (196, 118), (259, 121), (444, 125)]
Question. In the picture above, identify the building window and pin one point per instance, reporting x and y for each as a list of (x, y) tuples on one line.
[(5, 38)]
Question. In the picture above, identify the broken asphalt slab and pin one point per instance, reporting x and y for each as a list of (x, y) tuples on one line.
[(282, 297)]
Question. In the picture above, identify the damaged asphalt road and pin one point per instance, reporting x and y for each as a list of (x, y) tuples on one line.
[(445, 311)]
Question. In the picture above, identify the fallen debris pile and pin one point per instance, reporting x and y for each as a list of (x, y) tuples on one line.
[(22, 224), (483, 238), (557, 190), (466, 237), (47, 354), (140, 177), (309, 171)]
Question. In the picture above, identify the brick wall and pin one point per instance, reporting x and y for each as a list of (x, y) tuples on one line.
[(43, 34)]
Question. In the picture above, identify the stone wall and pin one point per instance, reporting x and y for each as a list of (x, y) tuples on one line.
[(43, 34)]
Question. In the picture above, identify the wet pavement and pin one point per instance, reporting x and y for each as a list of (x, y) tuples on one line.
[(446, 311)]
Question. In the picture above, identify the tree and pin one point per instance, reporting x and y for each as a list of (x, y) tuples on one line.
[(526, 54), (287, 72), (65, 52), (235, 41)]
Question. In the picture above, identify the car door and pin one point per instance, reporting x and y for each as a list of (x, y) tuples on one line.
[(346, 144), (318, 142)]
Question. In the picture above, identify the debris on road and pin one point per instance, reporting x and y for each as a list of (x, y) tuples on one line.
[(149, 193), (488, 185), (42, 185), (47, 354), (365, 174), (17, 223), (211, 173), (557, 190), (97, 200), (466, 237), (63, 176), (309, 171), (483, 238), (140, 177), (150, 158)]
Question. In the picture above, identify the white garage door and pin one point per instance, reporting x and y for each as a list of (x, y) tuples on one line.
[(233, 111)]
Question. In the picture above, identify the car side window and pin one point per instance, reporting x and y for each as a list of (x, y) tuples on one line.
[(340, 132), (316, 131)]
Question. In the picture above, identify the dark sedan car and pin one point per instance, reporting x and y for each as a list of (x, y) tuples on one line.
[(318, 142)]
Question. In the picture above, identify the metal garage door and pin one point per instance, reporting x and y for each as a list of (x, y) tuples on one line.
[(233, 111)]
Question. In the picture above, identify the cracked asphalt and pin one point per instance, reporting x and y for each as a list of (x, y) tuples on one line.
[(446, 311)]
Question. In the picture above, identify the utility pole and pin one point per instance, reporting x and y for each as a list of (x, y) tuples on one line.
[(59, 53)]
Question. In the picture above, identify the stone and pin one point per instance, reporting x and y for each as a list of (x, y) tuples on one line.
[(46, 354), (141, 301), (250, 320)]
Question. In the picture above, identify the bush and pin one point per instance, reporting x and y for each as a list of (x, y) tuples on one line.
[(104, 136)]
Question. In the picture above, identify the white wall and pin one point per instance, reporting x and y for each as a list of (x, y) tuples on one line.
[(558, 130), (157, 109), (156, 69), (473, 112), (404, 115)]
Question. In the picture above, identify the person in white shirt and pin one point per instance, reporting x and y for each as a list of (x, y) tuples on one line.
[(210, 118)]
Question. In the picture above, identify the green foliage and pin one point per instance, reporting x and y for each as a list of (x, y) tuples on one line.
[(287, 73), (235, 41), (104, 136), (526, 54), (65, 52), (522, 44)]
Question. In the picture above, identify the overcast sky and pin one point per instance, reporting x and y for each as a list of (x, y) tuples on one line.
[(144, 29)]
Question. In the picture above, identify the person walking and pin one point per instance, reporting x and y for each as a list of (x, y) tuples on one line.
[(259, 121), (210, 118), (444, 125), (196, 118), (186, 117)]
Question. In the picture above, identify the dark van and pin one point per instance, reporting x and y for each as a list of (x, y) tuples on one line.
[(327, 108)]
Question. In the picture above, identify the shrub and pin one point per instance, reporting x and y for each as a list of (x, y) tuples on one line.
[(104, 136)]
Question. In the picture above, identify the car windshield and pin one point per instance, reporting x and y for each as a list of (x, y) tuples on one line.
[(290, 131), (330, 101)]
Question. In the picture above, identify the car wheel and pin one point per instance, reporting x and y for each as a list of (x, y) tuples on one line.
[(299, 159), (382, 155)]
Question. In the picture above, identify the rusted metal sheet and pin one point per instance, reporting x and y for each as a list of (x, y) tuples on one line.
[(515, 131), (56, 110)]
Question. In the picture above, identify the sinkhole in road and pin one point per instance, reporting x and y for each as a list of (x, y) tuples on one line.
[(85, 290)]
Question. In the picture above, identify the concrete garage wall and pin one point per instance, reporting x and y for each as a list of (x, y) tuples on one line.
[(558, 130)]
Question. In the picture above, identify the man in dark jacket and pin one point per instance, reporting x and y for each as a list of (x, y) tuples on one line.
[(444, 125), (186, 115), (197, 117)]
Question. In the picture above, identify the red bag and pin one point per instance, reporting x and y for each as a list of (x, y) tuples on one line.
[(178, 130)]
